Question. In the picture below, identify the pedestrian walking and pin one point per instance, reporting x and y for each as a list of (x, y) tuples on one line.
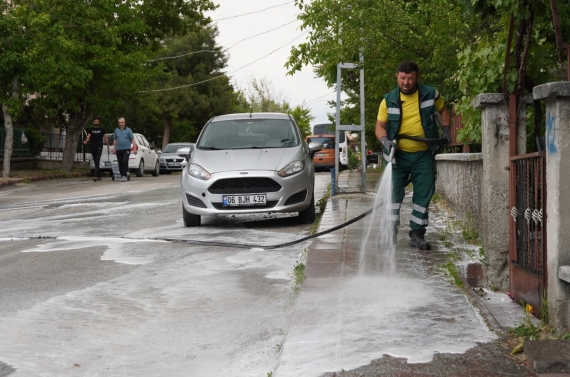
[(410, 110), (96, 135), (122, 139)]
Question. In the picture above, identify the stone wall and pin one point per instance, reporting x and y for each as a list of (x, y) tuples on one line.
[(459, 177)]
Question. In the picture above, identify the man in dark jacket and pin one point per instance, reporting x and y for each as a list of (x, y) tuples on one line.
[(96, 135), (410, 110)]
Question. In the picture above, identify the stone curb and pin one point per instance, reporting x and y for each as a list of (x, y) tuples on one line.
[(12, 181)]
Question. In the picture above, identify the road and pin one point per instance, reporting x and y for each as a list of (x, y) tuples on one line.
[(88, 288)]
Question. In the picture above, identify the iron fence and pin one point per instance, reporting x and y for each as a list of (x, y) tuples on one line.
[(54, 145), (529, 211)]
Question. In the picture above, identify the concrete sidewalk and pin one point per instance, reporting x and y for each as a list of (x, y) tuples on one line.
[(354, 319)]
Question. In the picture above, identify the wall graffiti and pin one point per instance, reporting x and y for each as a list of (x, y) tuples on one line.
[(550, 133)]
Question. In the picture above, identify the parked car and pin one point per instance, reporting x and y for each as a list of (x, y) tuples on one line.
[(371, 157), (169, 160), (249, 163), (324, 159), (145, 160)]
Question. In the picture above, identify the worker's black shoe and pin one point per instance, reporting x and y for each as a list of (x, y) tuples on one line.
[(417, 239)]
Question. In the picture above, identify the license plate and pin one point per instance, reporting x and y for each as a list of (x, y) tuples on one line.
[(173, 164), (321, 154), (244, 200), (107, 163)]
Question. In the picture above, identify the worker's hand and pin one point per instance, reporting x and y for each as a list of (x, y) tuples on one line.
[(388, 144), (445, 133)]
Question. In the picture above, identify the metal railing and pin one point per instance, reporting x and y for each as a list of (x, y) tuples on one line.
[(54, 145)]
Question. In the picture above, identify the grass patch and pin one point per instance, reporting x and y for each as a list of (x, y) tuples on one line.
[(321, 205), (299, 272), (450, 268)]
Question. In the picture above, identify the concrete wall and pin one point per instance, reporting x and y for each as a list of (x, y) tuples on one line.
[(459, 177), (557, 140)]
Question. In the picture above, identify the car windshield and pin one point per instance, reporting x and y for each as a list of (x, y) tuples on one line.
[(172, 148), (327, 142), (249, 134)]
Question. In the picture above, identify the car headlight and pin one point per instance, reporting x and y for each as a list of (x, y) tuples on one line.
[(293, 168), (199, 172)]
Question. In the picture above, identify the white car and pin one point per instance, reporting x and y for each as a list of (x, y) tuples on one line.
[(146, 159)]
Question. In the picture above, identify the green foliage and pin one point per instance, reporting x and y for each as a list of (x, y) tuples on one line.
[(451, 269), (321, 205), (189, 107), (353, 159), (526, 330), (424, 31), (36, 141), (261, 96), (82, 58), (459, 46)]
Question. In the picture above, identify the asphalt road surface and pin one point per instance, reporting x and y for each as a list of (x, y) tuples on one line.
[(88, 287)]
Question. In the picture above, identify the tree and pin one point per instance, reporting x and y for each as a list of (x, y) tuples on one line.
[(193, 64), (428, 32), (13, 63), (261, 96), (532, 55), (93, 55)]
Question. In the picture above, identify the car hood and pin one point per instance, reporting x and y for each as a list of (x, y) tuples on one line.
[(169, 155), (246, 159)]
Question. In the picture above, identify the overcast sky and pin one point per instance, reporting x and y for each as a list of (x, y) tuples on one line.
[(264, 56)]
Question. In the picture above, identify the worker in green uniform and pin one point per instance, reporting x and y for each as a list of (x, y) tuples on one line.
[(410, 110)]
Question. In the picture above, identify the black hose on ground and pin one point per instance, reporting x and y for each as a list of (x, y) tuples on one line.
[(268, 247)]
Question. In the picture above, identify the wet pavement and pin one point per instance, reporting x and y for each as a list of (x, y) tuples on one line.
[(400, 316)]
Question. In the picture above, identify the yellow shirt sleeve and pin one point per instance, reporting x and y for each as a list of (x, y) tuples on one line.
[(383, 111), (439, 103)]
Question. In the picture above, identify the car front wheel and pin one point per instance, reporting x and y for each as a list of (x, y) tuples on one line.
[(308, 215), (156, 170), (190, 220), (140, 170)]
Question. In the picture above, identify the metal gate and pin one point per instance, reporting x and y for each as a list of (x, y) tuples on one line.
[(527, 230)]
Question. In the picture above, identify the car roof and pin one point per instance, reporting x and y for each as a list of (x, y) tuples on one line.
[(181, 143), (250, 116)]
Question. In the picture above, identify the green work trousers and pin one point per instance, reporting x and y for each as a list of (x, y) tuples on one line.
[(419, 168)]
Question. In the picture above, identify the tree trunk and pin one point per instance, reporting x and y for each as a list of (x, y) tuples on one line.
[(8, 124), (166, 136), (72, 136)]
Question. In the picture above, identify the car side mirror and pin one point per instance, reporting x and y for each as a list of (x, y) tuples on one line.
[(339, 149), (151, 145), (184, 152), (314, 148)]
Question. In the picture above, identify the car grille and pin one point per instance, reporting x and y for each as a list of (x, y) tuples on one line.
[(244, 186), (173, 159), (195, 202), (220, 206), (296, 198)]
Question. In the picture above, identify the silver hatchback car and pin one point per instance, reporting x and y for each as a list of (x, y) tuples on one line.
[(248, 163)]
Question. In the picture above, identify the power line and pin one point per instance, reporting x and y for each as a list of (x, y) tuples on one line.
[(257, 11), (318, 98), (223, 74), (257, 35), (223, 50)]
